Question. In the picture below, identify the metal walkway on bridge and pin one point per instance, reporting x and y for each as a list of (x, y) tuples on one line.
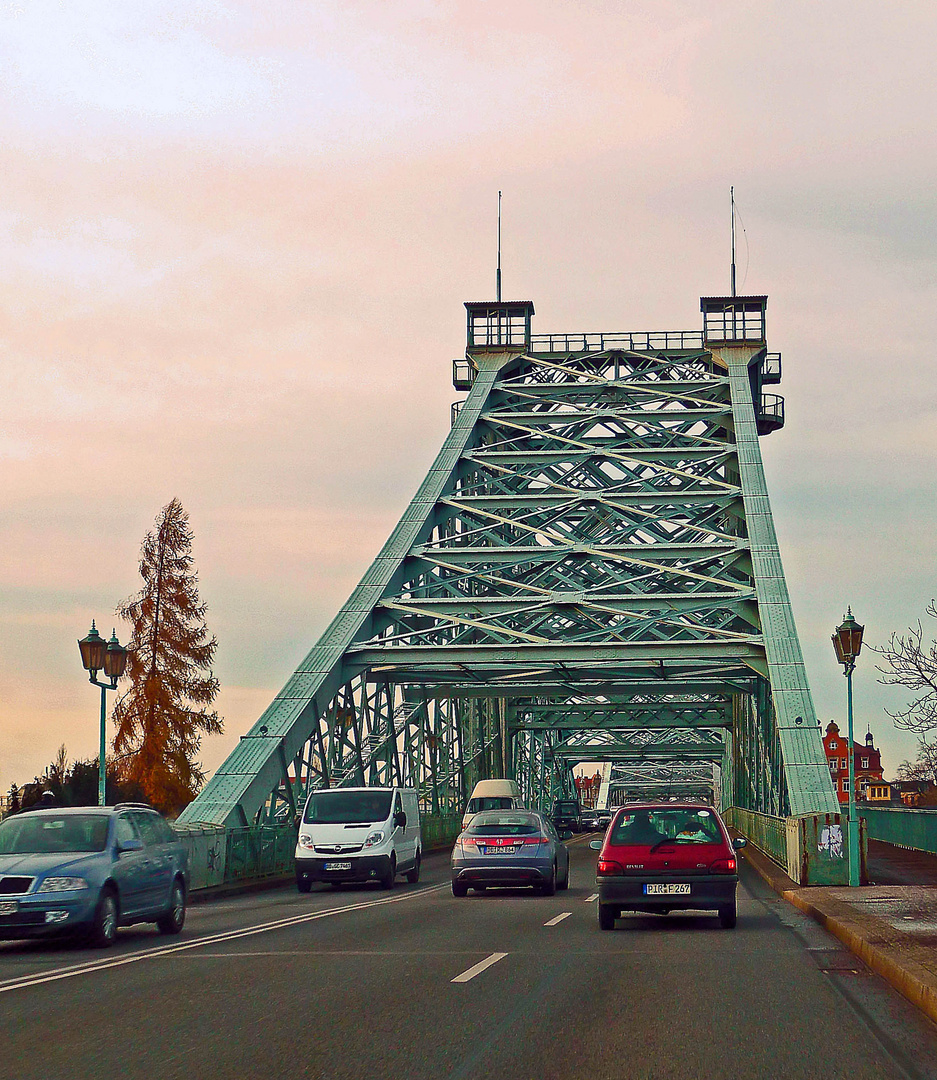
[(589, 571)]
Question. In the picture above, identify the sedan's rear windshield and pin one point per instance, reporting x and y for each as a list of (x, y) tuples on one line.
[(683, 826), (45, 834), (347, 807), (504, 825), (489, 802), (566, 808)]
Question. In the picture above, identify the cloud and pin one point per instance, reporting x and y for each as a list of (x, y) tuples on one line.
[(152, 60), (235, 241)]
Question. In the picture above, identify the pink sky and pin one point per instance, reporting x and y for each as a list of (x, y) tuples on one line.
[(235, 242)]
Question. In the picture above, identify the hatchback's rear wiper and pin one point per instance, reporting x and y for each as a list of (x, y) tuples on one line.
[(660, 843)]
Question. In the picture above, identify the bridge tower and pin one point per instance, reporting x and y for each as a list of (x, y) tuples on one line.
[(589, 571)]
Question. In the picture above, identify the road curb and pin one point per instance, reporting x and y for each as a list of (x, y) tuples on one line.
[(857, 933)]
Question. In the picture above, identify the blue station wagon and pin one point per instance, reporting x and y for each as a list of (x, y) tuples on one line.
[(89, 870)]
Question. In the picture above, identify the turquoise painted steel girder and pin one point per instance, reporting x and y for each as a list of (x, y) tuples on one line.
[(676, 779), (595, 524)]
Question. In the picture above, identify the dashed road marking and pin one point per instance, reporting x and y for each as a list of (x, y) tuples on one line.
[(558, 919), (589, 899), (212, 939), (478, 968)]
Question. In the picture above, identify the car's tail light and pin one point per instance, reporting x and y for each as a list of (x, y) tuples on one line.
[(723, 866), (608, 866)]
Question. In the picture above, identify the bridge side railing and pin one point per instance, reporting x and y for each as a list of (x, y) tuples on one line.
[(768, 834), (810, 847), (915, 829), (219, 856)]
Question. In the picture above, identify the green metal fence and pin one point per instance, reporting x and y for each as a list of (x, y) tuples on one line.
[(219, 856), (439, 831), (916, 829), (768, 834), (260, 851)]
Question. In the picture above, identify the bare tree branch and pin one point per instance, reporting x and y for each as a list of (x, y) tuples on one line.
[(924, 767), (908, 662)]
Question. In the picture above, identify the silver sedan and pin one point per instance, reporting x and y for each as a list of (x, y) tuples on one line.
[(509, 847)]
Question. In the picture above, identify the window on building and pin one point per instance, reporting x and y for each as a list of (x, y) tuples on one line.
[(834, 745), (844, 764), (832, 764), (845, 783), (864, 763)]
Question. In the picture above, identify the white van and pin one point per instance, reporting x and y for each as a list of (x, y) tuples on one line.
[(359, 834), (492, 795)]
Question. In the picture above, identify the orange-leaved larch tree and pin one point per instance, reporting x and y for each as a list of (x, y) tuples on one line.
[(162, 717)]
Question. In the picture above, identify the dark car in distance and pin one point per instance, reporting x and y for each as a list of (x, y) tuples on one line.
[(88, 870), (663, 857), (567, 814)]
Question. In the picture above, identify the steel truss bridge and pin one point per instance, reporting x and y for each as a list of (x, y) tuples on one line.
[(588, 572)]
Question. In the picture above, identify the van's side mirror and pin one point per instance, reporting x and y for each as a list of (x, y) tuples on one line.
[(566, 834), (596, 845), (131, 844), (739, 842), (400, 820)]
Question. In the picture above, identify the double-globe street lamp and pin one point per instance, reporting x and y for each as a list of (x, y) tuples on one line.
[(847, 641), (111, 658)]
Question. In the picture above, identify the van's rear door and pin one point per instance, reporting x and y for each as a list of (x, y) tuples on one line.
[(412, 807)]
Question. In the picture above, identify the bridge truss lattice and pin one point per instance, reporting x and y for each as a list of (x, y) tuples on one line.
[(589, 571)]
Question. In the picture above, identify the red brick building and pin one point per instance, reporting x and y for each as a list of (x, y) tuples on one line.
[(867, 762)]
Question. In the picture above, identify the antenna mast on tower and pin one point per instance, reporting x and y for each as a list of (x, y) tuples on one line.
[(498, 275), (732, 200)]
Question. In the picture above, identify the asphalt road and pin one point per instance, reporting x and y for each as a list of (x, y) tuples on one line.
[(890, 865), (415, 983)]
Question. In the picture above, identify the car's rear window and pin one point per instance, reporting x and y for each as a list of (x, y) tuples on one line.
[(683, 826), (504, 825), (567, 808), (47, 834), (489, 802)]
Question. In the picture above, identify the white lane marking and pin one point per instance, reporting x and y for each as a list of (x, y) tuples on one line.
[(478, 968), (559, 918), (230, 935), (333, 952), (589, 899)]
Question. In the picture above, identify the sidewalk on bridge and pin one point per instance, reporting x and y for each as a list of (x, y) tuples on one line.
[(891, 928)]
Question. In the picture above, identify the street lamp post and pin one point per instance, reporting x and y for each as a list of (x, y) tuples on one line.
[(847, 641), (111, 658)]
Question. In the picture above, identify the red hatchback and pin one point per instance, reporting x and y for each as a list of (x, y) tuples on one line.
[(662, 857)]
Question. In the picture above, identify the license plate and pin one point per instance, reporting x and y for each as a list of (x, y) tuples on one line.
[(666, 890), (9, 907), (337, 866), (497, 850)]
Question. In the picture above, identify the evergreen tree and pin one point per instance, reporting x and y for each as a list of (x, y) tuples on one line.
[(162, 717)]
